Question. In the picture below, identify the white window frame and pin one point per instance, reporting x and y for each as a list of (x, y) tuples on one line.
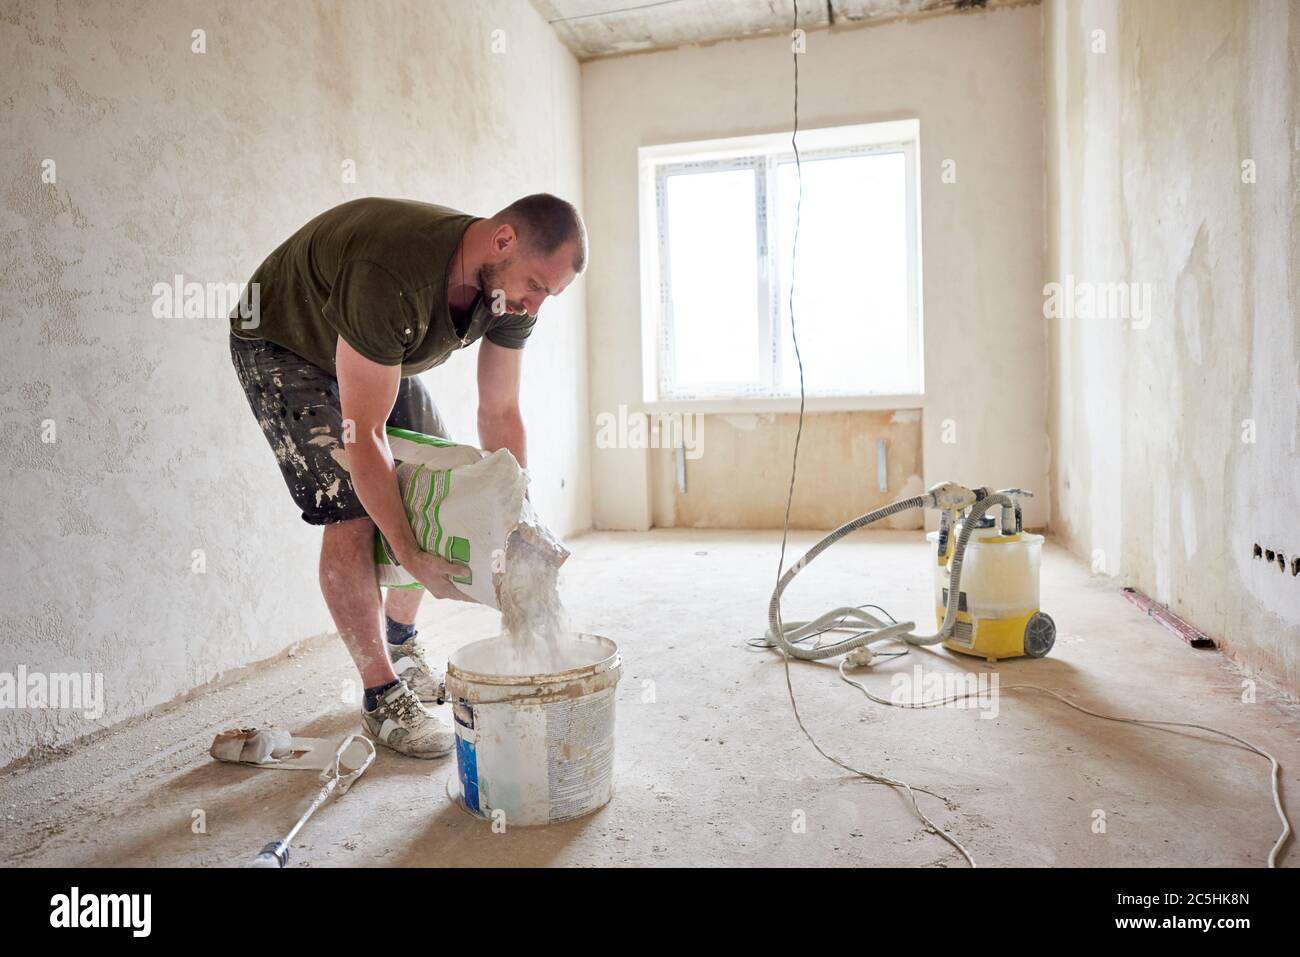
[(764, 153)]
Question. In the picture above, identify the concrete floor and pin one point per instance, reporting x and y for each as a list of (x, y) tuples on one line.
[(711, 768)]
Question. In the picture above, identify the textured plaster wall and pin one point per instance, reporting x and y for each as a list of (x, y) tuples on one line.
[(975, 83), (173, 162), (1155, 477)]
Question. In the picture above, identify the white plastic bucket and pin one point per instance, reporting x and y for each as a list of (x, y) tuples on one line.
[(534, 749)]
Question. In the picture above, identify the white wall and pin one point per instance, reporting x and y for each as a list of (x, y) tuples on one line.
[(975, 83), (1153, 480), (170, 161)]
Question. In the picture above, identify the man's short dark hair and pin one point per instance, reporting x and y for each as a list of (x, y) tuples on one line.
[(545, 223)]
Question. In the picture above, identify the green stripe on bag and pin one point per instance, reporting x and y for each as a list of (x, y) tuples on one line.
[(437, 518), (428, 526), (408, 496), (419, 437)]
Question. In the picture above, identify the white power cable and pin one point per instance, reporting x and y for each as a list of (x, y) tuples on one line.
[(1146, 722), (879, 778), (784, 637), (786, 648)]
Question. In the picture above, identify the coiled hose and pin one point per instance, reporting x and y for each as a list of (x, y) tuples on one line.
[(867, 628)]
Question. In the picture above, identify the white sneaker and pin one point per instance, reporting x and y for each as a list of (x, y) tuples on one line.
[(412, 666), (400, 722)]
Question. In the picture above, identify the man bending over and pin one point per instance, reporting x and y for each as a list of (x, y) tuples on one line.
[(350, 309)]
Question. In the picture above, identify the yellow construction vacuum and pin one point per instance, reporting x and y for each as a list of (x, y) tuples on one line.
[(985, 585), (997, 601)]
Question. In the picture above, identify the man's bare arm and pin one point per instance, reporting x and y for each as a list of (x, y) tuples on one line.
[(500, 425), (367, 391)]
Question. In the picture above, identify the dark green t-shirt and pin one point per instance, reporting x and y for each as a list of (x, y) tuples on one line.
[(373, 271)]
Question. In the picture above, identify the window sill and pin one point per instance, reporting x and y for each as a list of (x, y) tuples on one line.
[(756, 404)]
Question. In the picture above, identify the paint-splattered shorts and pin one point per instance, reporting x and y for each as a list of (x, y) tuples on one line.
[(297, 406)]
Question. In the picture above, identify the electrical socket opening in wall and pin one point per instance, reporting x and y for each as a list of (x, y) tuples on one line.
[(1271, 556)]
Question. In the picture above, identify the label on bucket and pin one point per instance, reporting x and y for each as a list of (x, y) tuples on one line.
[(533, 759), (579, 753), (463, 714), (466, 758)]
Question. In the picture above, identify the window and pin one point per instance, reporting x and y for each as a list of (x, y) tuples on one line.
[(717, 225)]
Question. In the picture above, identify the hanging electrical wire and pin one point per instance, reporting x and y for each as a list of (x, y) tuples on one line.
[(794, 469)]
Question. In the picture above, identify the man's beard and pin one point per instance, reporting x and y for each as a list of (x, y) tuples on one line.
[(489, 276)]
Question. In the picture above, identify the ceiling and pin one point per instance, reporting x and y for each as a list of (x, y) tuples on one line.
[(596, 28)]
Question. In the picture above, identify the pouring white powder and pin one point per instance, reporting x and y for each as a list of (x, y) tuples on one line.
[(536, 636)]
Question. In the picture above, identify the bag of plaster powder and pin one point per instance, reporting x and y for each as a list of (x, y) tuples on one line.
[(466, 506)]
